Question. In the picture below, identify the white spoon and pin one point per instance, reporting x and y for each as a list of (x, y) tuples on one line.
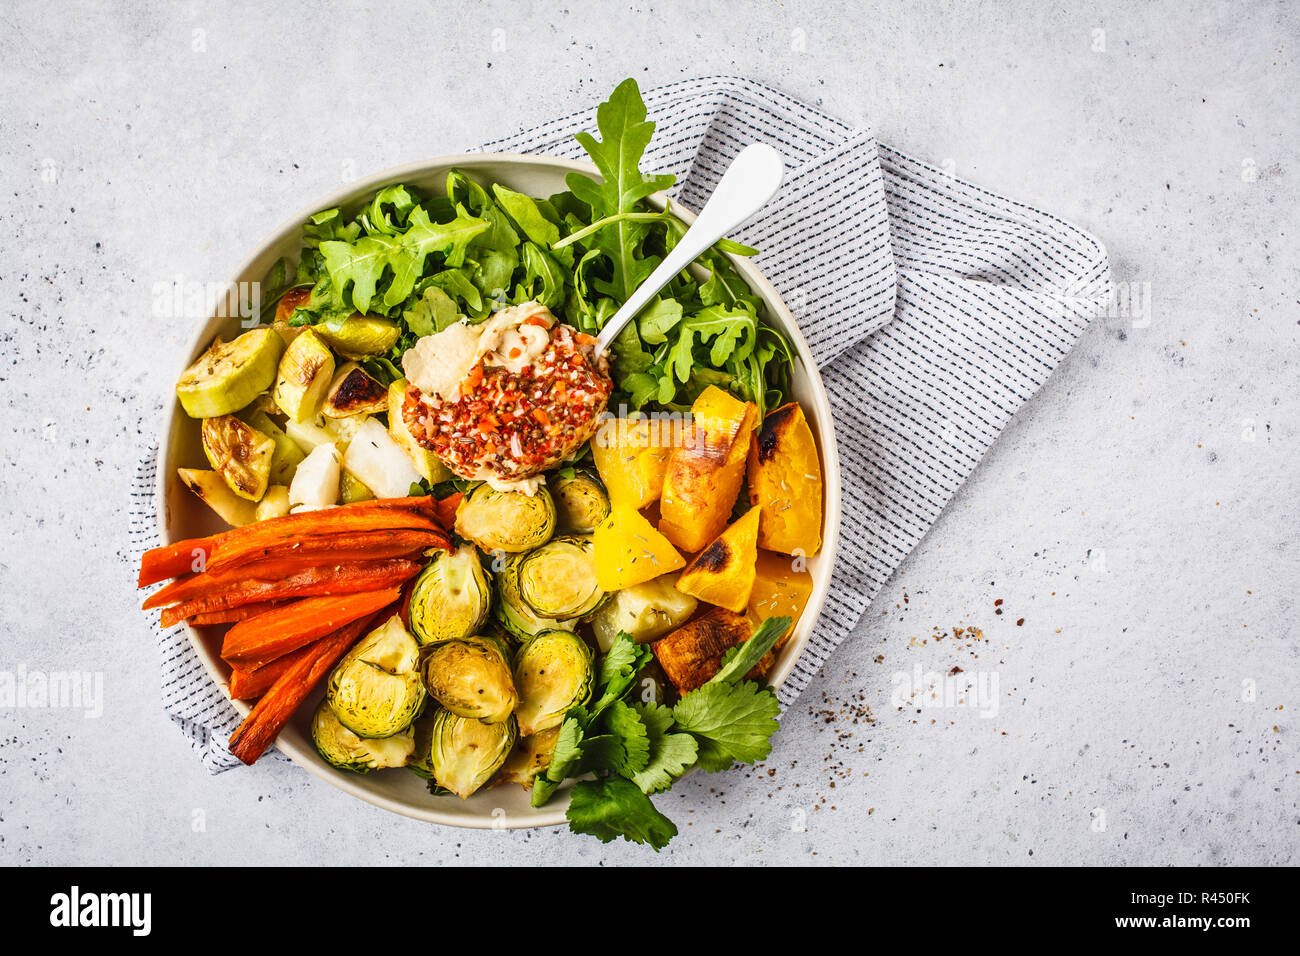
[(749, 182)]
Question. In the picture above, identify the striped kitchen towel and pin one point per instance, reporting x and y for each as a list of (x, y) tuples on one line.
[(934, 309)]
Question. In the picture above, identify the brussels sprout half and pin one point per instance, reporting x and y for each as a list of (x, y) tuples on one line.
[(581, 502), (451, 597), (465, 752), (531, 756), (508, 521), (376, 691), (553, 673), (558, 580), (470, 677), (341, 748), (513, 611)]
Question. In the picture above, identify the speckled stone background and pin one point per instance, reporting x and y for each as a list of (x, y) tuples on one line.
[(1140, 515)]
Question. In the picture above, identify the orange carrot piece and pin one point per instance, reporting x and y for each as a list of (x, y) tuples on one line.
[(330, 549), (170, 560), (269, 715), (230, 615), (280, 562), (250, 685), (444, 509), (259, 640), (310, 582)]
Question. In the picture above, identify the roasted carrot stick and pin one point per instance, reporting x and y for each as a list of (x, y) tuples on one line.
[(444, 509), (259, 640), (249, 685), (171, 560), (269, 715), (330, 549), (230, 615), (310, 582), (289, 559), (384, 513)]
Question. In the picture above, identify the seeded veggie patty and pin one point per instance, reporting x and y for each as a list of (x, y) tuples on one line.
[(514, 425)]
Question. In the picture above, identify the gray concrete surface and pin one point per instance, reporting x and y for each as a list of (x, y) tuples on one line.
[(1139, 514)]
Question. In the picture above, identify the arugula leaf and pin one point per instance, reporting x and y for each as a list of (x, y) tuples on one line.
[(669, 754), (615, 807), (359, 267), (729, 721), (658, 319), (625, 134), (543, 278), (431, 313)]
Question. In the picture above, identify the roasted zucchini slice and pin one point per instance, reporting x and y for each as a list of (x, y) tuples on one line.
[(353, 392), (240, 454), (229, 375), (306, 370), (646, 611)]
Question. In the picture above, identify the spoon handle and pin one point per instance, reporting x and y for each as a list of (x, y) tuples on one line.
[(749, 182)]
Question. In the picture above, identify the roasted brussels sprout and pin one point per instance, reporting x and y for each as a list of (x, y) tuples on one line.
[(451, 597), (558, 580), (580, 501), (422, 733), (647, 611), (341, 748), (376, 691), (470, 677), (531, 756), (553, 673), (508, 521), (513, 612), (465, 752)]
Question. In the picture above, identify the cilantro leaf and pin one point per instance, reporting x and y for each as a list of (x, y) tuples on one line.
[(670, 754), (619, 669), (564, 759), (730, 722), (625, 724), (743, 658), (615, 807)]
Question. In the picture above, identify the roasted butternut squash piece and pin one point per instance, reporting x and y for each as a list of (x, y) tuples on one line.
[(692, 654), (785, 482), (628, 550), (631, 456), (705, 471), (781, 589), (723, 573)]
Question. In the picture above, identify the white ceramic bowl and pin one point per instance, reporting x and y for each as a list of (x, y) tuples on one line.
[(181, 515)]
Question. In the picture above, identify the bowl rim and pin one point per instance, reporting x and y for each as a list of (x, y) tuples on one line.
[(554, 814)]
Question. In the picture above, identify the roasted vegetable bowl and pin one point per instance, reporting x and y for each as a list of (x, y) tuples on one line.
[(451, 560)]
